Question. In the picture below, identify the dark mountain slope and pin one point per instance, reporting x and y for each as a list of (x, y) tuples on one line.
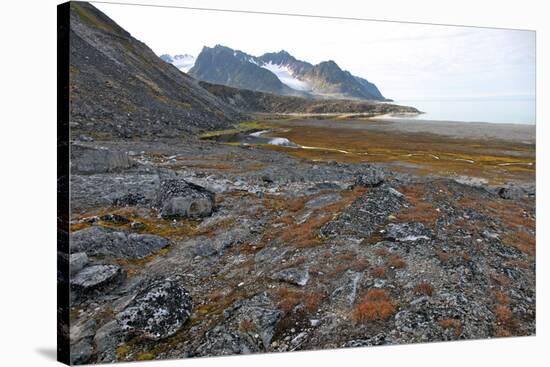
[(120, 87), (222, 65)]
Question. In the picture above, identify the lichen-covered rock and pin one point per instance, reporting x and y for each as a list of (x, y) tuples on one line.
[(77, 262), (220, 341), (511, 192), (89, 160), (259, 313), (407, 232), (106, 340), (179, 198), (371, 177), (102, 241), (293, 276), (158, 311), (96, 278), (81, 352)]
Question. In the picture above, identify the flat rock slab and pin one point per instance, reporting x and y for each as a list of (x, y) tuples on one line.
[(89, 160), (294, 276), (158, 311), (179, 198), (407, 232), (97, 277), (102, 241)]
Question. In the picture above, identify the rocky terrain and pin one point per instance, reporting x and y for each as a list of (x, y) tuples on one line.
[(267, 103), (185, 247), (120, 88)]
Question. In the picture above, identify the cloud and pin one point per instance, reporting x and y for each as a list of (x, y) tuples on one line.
[(404, 60)]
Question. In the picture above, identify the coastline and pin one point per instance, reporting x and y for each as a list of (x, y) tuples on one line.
[(521, 133)]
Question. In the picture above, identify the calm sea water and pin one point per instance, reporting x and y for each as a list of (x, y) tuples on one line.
[(513, 111)]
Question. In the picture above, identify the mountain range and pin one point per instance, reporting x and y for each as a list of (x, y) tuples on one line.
[(120, 88), (276, 72)]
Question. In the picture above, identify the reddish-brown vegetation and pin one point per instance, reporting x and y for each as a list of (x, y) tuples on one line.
[(376, 305), (424, 288), (454, 324), (289, 299), (378, 271), (396, 262), (420, 209)]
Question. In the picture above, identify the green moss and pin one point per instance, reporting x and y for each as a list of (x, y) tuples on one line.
[(241, 127), (122, 352), (90, 19), (145, 356)]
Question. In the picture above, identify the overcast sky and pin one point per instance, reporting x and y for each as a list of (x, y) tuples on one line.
[(406, 61)]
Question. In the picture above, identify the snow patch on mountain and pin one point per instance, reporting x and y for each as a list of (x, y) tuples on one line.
[(285, 76), (182, 62)]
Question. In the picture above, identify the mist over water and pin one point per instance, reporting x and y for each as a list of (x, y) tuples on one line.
[(493, 110)]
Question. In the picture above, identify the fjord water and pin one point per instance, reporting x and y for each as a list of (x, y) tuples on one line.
[(493, 110)]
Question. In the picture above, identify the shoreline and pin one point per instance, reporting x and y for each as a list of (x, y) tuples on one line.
[(521, 133)]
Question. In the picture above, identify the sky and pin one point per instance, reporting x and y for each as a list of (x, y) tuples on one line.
[(406, 61)]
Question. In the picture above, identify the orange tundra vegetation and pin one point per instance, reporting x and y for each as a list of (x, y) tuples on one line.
[(378, 272), (419, 210), (451, 323), (395, 261), (424, 288), (289, 299), (375, 306)]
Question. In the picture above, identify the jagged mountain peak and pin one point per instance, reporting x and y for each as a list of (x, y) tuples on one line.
[(280, 73)]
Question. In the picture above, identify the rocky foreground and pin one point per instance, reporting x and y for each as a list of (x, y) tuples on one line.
[(187, 248)]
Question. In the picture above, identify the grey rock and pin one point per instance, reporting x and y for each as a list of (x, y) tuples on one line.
[(511, 192), (323, 201), (259, 310), (83, 329), (106, 341), (114, 218), (407, 232), (97, 277), (89, 160), (102, 241), (346, 292), (130, 199), (378, 339), (158, 311), (81, 352), (77, 262), (179, 198), (220, 341), (371, 177), (294, 276)]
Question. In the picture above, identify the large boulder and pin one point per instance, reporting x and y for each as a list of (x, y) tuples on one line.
[(294, 276), (97, 278), (370, 177), (259, 313), (511, 192), (103, 241), (89, 160), (77, 262), (179, 198), (158, 311)]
